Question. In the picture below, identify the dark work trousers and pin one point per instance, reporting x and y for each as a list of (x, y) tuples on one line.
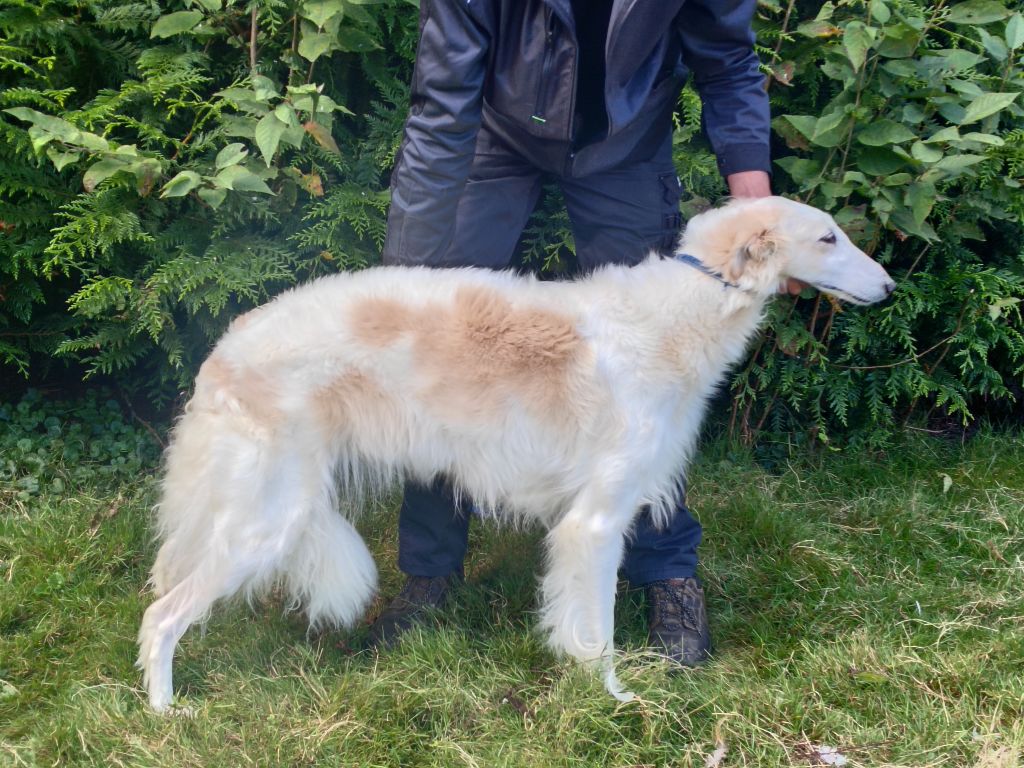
[(617, 216)]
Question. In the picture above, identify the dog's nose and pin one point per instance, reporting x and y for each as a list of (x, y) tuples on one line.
[(889, 288)]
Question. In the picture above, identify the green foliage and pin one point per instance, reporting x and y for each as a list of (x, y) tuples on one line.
[(907, 124), (195, 171), (166, 165), (49, 447)]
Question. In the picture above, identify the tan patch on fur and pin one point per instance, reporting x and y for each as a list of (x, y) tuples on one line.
[(476, 354), (485, 352), (729, 245), (219, 384), (349, 398), (381, 322)]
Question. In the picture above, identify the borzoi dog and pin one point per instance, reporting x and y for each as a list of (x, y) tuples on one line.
[(571, 403)]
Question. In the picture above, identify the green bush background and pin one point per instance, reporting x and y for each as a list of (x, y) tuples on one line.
[(166, 165)]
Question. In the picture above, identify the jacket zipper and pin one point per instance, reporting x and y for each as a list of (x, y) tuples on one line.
[(540, 109)]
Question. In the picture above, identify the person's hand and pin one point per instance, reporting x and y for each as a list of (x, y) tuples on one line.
[(758, 184)]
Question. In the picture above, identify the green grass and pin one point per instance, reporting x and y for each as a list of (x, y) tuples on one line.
[(854, 603)]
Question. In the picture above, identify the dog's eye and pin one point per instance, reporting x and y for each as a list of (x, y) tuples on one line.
[(830, 238)]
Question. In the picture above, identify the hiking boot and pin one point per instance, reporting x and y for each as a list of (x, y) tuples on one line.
[(677, 621), (412, 606)]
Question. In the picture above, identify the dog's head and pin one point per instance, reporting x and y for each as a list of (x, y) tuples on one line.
[(759, 242)]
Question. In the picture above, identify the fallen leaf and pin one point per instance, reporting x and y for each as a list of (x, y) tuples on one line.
[(715, 758), (998, 757), (826, 755)]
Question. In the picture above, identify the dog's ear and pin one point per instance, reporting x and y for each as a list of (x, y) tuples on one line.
[(757, 248), (754, 250), (762, 245)]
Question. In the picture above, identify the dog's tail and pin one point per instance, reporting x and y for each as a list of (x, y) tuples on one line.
[(242, 509)]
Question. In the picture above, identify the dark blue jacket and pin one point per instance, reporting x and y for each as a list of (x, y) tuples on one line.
[(512, 65)]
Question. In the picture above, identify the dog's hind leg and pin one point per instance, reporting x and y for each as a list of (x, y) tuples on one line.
[(241, 537), (578, 591), (163, 624), (330, 571)]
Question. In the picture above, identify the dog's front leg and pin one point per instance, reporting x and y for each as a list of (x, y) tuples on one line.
[(578, 591)]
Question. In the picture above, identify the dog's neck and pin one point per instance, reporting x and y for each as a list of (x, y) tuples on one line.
[(700, 266), (680, 301)]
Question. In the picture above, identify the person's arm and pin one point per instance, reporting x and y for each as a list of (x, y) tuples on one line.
[(718, 47), (440, 133)]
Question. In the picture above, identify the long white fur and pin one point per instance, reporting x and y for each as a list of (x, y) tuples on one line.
[(249, 497)]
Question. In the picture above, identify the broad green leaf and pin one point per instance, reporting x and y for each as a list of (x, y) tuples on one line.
[(921, 200), (1015, 32), (882, 133), (952, 133), (238, 126), (57, 128), (897, 180), (312, 47), (213, 196), (983, 138), (92, 142), (39, 137), (322, 136), (903, 219), (241, 180), (951, 60), (956, 164), (146, 170), (232, 154), (987, 104), (801, 169), (818, 28), (268, 135), (830, 129), (950, 110), (181, 184), (293, 135), (353, 40), (879, 11), (319, 11), (102, 170), (211, 5), (879, 161), (286, 114), (965, 87), (913, 113), (263, 88), (803, 123), (995, 46), (857, 39), (61, 159), (175, 23), (925, 153), (977, 12), (899, 41)]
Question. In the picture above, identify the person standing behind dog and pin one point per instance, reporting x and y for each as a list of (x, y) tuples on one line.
[(506, 93)]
